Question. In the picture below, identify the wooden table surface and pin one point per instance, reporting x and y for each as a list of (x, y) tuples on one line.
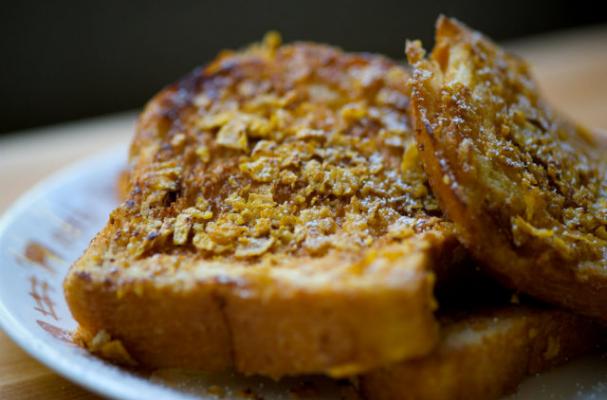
[(571, 67)]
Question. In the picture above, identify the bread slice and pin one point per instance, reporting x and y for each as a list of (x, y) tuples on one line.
[(485, 355), (526, 189), (278, 223)]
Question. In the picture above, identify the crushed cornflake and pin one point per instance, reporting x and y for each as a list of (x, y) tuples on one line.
[(250, 247), (264, 169), (234, 135), (203, 153), (178, 140), (183, 224), (307, 133), (325, 159)]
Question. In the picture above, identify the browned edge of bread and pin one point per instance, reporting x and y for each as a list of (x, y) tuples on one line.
[(486, 355)]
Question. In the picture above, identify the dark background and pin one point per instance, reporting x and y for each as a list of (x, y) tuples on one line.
[(65, 60)]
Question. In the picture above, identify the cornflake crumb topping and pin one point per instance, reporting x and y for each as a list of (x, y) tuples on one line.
[(297, 149)]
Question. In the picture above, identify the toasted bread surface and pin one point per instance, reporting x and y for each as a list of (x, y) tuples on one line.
[(278, 222), (485, 355), (525, 188)]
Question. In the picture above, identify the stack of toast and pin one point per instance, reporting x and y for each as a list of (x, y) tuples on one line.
[(432, 232)]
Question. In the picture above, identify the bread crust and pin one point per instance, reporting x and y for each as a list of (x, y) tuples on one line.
[(486, 354), (524, 187), (306, 247), (289, 320)]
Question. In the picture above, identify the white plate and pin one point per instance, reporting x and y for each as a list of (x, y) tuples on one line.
[(44, 232)]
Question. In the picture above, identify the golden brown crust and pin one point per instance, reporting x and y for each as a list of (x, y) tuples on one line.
[(486, 355), (525, 188), (273, 321), (279, 222), (123, 185)]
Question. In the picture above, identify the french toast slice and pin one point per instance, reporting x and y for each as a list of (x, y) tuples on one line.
[(278, 223), (487, 354), (525, 188)]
